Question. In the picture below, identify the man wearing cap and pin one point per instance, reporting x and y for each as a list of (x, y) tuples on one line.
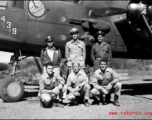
[(51, 54), (105, 81), (75, 49), (100, 50)]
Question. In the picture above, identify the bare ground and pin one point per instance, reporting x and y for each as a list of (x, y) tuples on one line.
[(136, 102)]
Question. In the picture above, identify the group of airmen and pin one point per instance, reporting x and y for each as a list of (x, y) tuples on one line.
[(77, 87)]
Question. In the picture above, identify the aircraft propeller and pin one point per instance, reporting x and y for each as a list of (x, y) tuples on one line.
[(133, 8), (136, 9)]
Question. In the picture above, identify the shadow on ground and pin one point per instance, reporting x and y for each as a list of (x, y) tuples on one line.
[(137, 89), (127, 89), (147, 79), (30, 94)]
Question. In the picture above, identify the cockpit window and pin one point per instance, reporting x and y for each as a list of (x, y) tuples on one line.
[(74, 1), (17, 4), (3, 5)]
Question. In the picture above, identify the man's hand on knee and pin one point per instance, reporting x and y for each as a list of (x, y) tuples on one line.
[(104, 91)]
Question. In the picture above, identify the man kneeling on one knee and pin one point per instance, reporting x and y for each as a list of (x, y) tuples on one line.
[(105, 81), (77, 85), (50, 87)]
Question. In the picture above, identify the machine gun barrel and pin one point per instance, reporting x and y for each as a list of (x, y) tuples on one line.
[(76, 22)]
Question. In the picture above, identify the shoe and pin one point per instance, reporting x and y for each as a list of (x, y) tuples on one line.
[(42, 105), (103, 100), (104, 103), (95, 102), (74, 102), (86, 103), (100, 103), (108, 97), (116, 102), (58, 105)]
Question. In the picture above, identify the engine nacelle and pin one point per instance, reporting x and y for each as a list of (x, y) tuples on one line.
[(135, 9)]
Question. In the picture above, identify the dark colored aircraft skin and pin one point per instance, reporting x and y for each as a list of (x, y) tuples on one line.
[(24, 25)]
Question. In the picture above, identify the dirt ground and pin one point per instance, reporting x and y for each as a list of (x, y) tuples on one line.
[(136, 102)]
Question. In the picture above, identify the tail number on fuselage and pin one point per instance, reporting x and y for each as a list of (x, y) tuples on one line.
[(9, 25)]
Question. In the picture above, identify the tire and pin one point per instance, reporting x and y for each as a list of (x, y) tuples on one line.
[(1, 83), (11, 91)]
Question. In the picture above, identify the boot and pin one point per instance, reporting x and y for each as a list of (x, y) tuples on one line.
[(86, 103), (116, 102), (73, 102), (43, 105), (108, 97), (95, 100), (57, 103), (103, 99)]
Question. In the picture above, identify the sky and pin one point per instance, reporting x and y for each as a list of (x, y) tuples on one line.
[(3, 2), (5, 57)]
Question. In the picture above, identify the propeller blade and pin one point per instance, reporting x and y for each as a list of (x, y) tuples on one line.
[(104, 12)]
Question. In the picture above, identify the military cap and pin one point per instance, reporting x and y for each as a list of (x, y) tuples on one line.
[(74, 30), (49, 39), (104, 60), (100, 33)]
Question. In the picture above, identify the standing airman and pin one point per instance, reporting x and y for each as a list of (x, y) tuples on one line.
[(75, 50), (100, 50), (51, 54)]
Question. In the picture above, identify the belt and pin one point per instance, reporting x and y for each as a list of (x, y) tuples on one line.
[(98, 58)]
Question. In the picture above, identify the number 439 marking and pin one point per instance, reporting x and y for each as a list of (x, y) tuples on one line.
[(9, 25)]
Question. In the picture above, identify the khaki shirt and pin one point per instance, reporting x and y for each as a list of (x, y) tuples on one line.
[(104, 79), (46, 82), (75, 80), (101, 51), (75, 50)]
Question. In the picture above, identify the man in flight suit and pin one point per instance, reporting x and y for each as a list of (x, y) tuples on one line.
[(106, 81), (51, 54), (50, 86), (100, 50)]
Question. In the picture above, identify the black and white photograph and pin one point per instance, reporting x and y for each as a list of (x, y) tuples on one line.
[(75, 59)]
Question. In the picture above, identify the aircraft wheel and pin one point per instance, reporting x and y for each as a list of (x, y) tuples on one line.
[(11, 90), (1, 82)]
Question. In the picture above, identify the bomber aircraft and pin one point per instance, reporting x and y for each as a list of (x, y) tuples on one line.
[(24, 26)]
